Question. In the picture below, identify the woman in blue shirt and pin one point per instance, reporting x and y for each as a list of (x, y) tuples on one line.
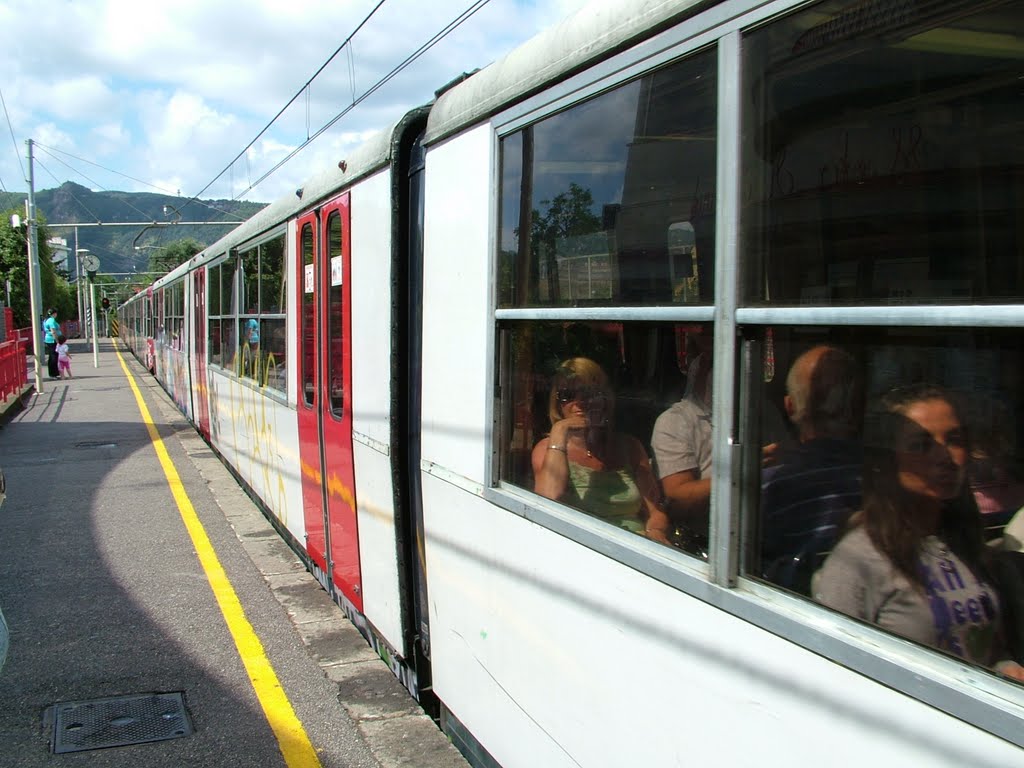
[(51, 330)]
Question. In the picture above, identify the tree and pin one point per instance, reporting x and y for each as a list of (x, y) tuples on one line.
[(14, 270), (54, 289), (170, 256)]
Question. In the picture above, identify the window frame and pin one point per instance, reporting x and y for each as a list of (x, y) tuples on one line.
[(229, 257), (973, 696), (235, 257)]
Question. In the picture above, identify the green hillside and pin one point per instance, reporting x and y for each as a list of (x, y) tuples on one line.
[(73, 203)]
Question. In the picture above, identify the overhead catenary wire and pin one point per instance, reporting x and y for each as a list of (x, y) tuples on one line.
[(13, 140), (447, 30), (84, 207), (436, 38), (72, 194), (291, 101)]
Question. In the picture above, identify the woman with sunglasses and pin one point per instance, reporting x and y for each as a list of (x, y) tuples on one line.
[(914, 560), (585, 463)]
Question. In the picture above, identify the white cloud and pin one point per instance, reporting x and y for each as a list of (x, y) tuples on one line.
[(170, 93)]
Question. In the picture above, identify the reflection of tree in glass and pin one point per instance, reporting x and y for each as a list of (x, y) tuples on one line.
[(569, 215)]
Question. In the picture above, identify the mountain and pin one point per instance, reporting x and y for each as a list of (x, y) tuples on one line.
[(153, 220)]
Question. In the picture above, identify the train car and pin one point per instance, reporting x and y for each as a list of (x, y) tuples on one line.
[(136, 318), (573, 386)]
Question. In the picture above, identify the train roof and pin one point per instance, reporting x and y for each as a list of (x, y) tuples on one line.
[(595, 31)]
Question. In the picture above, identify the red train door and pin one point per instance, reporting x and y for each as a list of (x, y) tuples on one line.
[(308, 405), (325, 379), (336, 403), (199, 339)]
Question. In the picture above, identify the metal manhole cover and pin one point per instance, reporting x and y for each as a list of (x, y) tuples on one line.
[(118, 721)]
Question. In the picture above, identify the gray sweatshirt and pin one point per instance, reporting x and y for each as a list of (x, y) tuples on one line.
[(957, 612)]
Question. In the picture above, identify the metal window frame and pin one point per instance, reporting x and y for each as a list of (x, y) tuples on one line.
[(963, 691)]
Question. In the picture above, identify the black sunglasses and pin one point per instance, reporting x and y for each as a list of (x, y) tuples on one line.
[(568, 394), (565, 395)]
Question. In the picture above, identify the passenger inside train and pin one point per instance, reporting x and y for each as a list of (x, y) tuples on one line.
[(913, 560), (681, 442), (809, 490), (585, 462)]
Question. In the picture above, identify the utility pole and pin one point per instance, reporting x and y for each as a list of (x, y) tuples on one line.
[(35, 288), (92, 312), (78, 286)]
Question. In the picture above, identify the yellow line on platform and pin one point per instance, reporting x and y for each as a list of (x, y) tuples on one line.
[(291, 736)]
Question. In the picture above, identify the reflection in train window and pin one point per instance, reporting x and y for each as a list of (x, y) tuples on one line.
[(588, 194), (335, 311), (308, 316), (884, 169), (263, 287)]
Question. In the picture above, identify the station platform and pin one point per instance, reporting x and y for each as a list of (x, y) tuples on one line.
[(156, 617)]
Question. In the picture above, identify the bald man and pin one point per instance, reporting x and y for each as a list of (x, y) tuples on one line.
[(810, 490)]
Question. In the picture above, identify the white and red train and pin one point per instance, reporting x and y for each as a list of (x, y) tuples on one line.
[(373, 356)]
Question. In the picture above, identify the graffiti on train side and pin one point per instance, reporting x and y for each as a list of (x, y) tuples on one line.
[(243, 419), (177, 379)]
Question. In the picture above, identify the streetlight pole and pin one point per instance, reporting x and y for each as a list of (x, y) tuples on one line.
[(92, 312), (83, 326), (35, 289)]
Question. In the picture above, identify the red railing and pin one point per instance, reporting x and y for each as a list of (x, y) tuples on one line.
[(23, 336), (13, 368)]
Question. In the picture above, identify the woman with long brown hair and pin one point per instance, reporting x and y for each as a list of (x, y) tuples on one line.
[(913, 560), (587, 464)]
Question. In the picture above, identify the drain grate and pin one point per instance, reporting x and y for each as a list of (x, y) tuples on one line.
[(118, 721)]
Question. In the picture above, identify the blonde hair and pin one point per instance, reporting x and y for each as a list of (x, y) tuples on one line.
[(576, 373)]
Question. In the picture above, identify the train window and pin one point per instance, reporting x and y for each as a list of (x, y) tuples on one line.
[(588, 194), (173, 311), (274, 354), (213, 291), (213, 345), (598, 412), (307, 364), (335, 339), (248, 357), (273, 282), (610, 203), (227, 341), (250, 276), (221, 290), (261, 323), (883, 446), (878, 161), (893, 494), (248, 360)]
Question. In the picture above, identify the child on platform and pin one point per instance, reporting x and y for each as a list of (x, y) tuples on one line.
[(63, 356)]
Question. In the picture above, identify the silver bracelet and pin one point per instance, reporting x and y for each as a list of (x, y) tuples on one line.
[(553, 447)]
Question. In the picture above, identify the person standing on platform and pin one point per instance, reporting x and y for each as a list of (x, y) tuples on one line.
[(51, 330), (63, 356)]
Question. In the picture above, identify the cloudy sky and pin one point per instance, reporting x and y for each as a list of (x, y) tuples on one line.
[(161, 97)]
